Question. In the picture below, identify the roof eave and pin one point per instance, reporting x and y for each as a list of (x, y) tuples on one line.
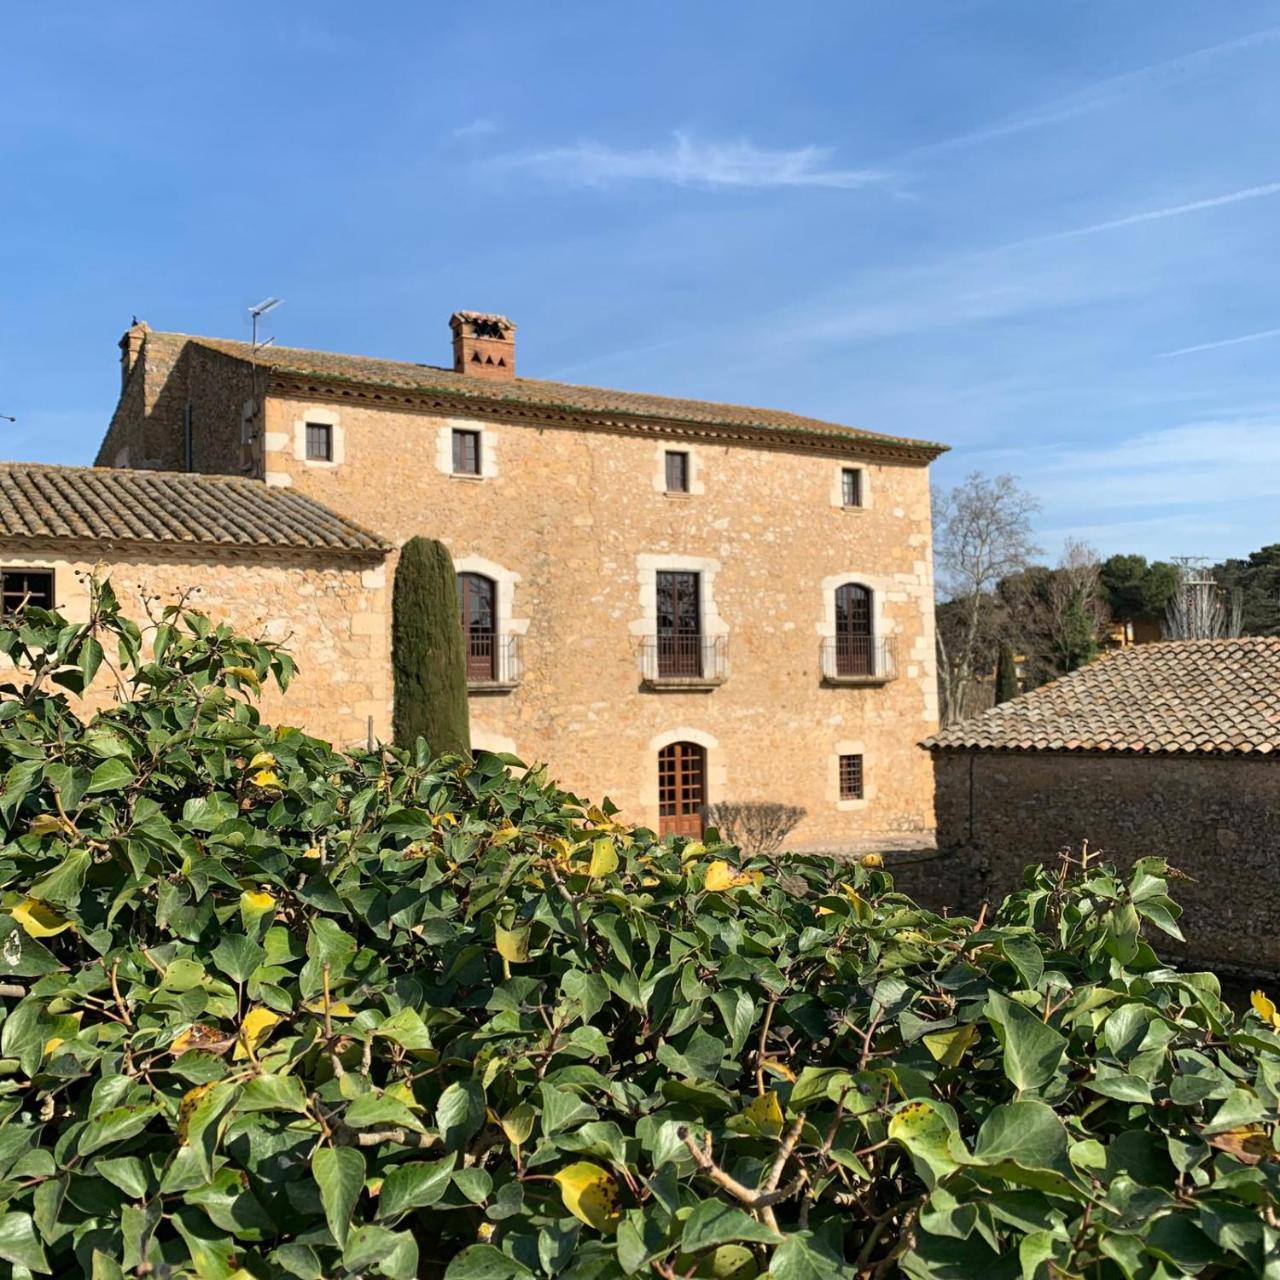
[(834, 441)]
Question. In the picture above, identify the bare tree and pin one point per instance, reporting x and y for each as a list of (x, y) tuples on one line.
[(756, 827), (1201, 609), (982, 534)]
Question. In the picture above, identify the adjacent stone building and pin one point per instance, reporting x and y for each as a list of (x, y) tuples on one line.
[(671, 602), (1168, 749), (273, 562)]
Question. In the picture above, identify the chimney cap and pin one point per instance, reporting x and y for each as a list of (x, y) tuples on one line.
[(483, 324)]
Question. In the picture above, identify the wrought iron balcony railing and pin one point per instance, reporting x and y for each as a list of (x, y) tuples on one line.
[(493, 661), (859, 659), (689, 661)]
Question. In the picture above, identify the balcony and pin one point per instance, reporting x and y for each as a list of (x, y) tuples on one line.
[(859, 660), (494, 663), (684, 661)]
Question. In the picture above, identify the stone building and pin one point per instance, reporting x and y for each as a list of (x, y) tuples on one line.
[(671, 602), (273, 561), (1169, 750)]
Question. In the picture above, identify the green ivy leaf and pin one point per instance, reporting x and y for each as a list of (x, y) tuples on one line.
[(339, 1174)]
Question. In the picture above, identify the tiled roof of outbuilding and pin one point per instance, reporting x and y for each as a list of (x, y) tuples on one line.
[(1183, 696), (405, 376), (168, 508)]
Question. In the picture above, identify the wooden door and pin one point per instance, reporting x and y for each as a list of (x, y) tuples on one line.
[(854, 654), (477, 599), (682, 789), (679, 624)]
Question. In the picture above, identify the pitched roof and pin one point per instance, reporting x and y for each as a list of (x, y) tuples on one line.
[(168, 508), (408, 377), (1184, 696)]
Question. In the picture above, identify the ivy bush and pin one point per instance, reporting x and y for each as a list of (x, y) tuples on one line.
[(272, 1010)]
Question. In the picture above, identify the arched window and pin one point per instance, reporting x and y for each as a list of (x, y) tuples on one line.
[(478, 600), (854, 639), (682, 789)]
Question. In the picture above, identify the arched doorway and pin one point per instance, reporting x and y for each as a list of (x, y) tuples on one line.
[(854, 651), (477, 598), (682, 789)]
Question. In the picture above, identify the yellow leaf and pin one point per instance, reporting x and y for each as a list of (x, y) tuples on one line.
[(267, 779), (190, 1101), (198, 1036), (401, 1092), (774, 1067), (313, 852), (337, 1009), (1264, 1008), (590, 1194), (255, 1029), (871, 860), (604, 857), (52, 1043), (694, 849), (721, 876), (44, 824), (949, 1047), (517, 1124), (513, 944), (504, 834), (263, 760), (765, 1113), (38, 918), (247, 674)]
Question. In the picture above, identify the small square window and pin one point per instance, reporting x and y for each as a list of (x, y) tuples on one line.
[(319, 442), (677, 471), (32, 586), (850, 777), (466, 453), (851, 486)]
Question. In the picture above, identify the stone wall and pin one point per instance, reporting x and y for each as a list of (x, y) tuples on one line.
[(1214, 818), (332, 614), (572, 523), (148, 428)]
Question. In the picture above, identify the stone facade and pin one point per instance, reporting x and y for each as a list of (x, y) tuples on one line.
[(330, 613), (565, 520), (1212, 817)]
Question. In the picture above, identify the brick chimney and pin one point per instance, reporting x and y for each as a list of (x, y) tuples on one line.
[(484, 346), (131, 347)]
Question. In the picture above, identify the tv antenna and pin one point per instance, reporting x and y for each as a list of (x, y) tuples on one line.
[(266, 305)]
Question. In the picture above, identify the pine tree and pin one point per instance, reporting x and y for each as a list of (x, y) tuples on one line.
[(1006, 674), (428, 654)]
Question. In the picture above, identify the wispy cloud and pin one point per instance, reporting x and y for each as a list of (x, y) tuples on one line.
[(1102, 93), (688, 162), (481, 127), (1149, 215), (1222, 342)]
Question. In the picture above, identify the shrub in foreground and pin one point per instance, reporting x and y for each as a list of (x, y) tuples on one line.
[(270, 1010)]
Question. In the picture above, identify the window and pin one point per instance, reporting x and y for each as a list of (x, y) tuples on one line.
[(851, 487), (34, 586), (677, 471), (679, 624), (466, 453), (319, 442), (850, 777), (477, 598)]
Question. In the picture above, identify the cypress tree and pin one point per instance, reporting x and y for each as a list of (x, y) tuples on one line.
[(428, 653), (1006, 674)]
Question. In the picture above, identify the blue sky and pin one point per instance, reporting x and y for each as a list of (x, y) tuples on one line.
[(1044, 233)]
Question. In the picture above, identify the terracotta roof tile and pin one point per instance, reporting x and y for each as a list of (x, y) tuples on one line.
[(168, 508), (1185, 696), (406, 376)]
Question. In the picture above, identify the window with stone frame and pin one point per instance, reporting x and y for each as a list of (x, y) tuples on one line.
[(851, 777), (851, 486), (319, 442)]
